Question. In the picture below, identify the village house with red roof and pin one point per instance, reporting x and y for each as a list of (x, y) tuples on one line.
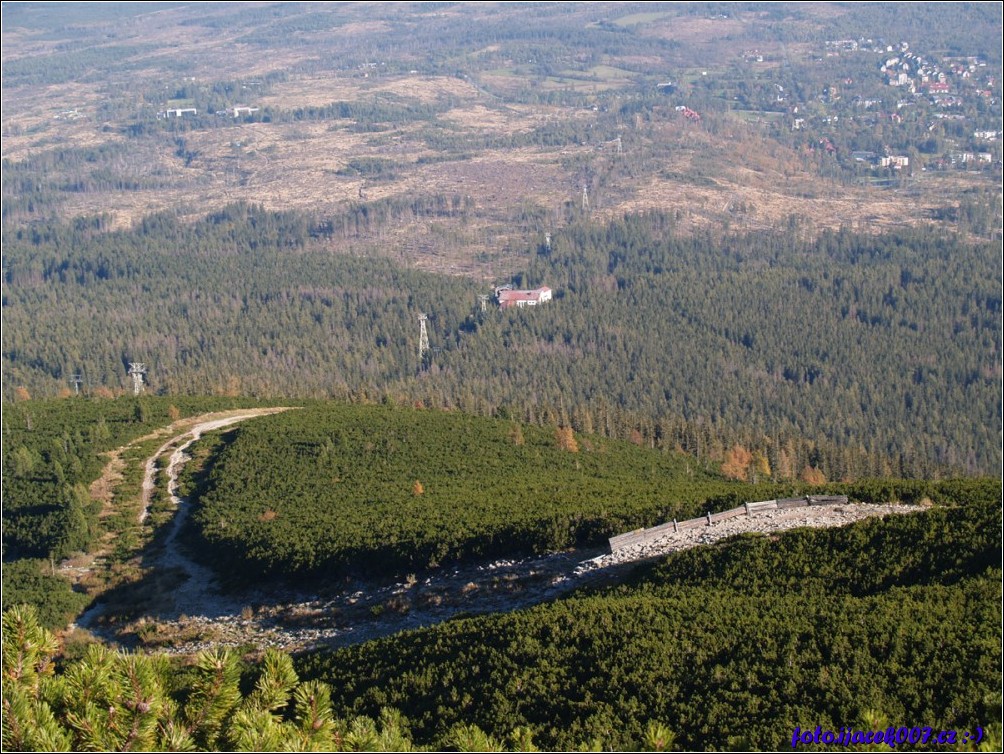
[(508, 297)]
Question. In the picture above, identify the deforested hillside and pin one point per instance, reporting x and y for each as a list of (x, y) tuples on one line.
[(748, 115)]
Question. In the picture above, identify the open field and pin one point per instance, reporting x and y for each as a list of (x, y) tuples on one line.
[(485, 119)]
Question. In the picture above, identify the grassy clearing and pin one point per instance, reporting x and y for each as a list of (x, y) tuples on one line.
[(757, 116), (636, 19)]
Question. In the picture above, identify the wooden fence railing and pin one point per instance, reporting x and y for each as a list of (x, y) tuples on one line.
[(643, 536)]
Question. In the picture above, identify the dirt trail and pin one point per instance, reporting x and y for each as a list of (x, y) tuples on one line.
[(194, 615), (150, 469), (103, 488), (198, 593)]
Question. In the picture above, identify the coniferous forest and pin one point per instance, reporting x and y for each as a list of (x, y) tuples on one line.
[(772, 236), (868, 355)]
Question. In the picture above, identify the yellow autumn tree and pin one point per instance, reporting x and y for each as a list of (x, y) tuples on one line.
[(737, 463), (812, 475), (566, 439), (760, 466), (516, 435), (417, 488)]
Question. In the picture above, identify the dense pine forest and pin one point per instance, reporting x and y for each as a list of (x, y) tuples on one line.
[(855, 354)]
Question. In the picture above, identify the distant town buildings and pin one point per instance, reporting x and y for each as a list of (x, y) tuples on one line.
[(177, 112), (894, 161), (238, 111)]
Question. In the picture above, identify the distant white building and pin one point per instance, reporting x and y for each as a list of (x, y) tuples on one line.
[(178, 112), (509, 297), (894, 161)]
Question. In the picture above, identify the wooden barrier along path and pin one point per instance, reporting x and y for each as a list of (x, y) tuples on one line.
[(643, 536)]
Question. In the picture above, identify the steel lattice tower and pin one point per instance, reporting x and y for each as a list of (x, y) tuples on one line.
[(423, 336), (136, 371)]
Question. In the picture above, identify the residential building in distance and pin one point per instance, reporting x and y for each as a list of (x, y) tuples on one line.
[(177, 112), (508, 297)]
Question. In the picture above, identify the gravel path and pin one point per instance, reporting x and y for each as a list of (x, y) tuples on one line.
[(194, 614), (197, 590), (197, 616), (764, 522)]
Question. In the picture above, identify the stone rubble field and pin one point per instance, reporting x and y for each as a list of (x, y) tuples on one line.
[(364, 611)]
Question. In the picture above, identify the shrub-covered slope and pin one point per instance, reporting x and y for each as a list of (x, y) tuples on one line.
[(379, 488), (731, 646)]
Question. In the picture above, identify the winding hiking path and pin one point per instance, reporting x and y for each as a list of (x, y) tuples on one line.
[(103, 489), (193, 614), (198, 593)]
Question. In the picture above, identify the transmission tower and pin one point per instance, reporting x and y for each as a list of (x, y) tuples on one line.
[(77, 380), (136, 371), (484, 302), (585, 198), (423, 337)]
